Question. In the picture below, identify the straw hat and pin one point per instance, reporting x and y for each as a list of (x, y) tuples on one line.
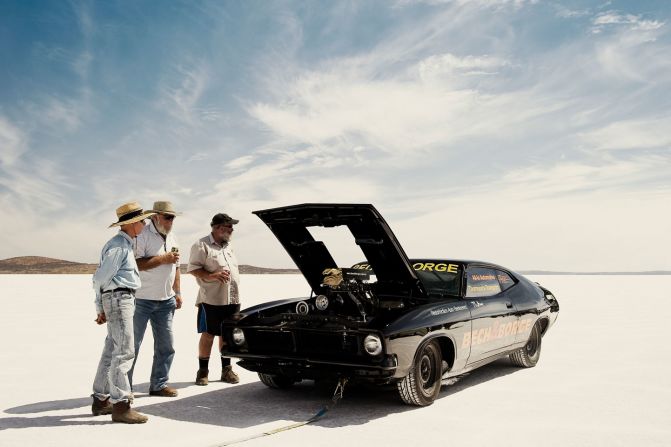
[(129, 213), (163, 207)]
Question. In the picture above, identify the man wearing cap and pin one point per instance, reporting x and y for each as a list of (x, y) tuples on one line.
[(157, 256), (115, 282), (213, 264)]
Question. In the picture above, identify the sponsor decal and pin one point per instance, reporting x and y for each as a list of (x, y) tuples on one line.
[(422, 266), (504, 279), (485, 288), (478, 277), (436, 267), (362, 267), (447, 310), (496, 331)]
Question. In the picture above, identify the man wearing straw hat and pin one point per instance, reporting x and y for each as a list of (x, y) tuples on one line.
[(157, 256), (115, 282)]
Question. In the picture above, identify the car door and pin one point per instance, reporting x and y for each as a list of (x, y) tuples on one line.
[(493, 313)]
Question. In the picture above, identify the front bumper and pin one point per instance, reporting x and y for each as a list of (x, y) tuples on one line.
[(309, 353)]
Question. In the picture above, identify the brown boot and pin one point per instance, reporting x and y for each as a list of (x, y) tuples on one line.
[(99, 407), (167, 391), (201, 377), (228, 376), (122, 412)]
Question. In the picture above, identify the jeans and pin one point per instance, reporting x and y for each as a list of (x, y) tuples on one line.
[(117, 358), (160, 313)]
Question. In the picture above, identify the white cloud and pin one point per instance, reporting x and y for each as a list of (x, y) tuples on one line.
[(566, 13), (181, 95), (629, 21), (438, 66), (631, 134), (12, 143), (240, 162)]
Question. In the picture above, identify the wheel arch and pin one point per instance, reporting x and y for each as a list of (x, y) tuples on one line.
[(543, 324), (446, 345)]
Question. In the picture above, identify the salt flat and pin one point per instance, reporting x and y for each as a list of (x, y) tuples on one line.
[(604, 378)]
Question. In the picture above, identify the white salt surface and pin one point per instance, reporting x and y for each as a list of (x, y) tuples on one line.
[(604, 378)]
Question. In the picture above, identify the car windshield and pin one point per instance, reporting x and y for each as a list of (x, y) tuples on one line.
[(439, 278)]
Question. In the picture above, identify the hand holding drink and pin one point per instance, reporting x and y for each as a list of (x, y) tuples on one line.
[(173, 256)]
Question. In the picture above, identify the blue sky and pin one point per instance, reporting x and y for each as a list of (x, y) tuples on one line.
[(534, 134)]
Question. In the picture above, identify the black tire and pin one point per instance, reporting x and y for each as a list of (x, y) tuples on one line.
[(276, 381), (422, 384), (528, 356)]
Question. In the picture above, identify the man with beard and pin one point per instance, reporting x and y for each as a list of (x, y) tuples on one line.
[(215, 267), (157, 254)]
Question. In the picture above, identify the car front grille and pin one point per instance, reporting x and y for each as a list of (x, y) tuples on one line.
[(304, 343)]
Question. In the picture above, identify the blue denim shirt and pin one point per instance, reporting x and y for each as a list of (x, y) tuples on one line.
[(117, 267)]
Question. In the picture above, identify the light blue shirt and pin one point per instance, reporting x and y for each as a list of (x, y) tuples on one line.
[(117, 267)]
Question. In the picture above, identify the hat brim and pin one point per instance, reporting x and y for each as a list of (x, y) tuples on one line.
[(169, 213), (133, 219), (228, 222)]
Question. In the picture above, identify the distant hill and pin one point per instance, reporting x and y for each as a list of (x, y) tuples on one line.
[(42, 265)]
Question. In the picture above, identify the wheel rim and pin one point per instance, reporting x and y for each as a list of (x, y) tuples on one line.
[(427, 371)]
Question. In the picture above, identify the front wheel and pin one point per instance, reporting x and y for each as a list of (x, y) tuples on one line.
[(529, 355), (276, 380), (422, 384)]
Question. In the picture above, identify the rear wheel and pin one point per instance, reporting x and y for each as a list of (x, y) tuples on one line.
[(422, 384), (528, 356), (277, 381)]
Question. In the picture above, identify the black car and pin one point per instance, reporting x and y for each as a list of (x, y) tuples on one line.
[(390, 320)]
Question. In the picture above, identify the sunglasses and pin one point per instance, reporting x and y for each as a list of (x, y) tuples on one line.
[(167, 216)]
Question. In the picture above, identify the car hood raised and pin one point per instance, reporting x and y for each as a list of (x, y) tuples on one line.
[(395, 275)]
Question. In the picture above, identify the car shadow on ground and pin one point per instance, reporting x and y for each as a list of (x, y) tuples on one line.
[(252, 404)]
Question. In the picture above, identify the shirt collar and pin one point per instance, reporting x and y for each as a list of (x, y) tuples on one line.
[(213, 242), (126, 236)]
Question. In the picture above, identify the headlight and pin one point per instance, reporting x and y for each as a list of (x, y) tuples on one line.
[(238, 336), (321, 302), (372, 344)]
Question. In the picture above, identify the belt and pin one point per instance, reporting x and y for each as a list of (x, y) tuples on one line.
[(121, 289)]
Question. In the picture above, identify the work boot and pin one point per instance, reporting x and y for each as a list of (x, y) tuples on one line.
[(122, 412), (228, 376), (168, 391), (201, 377), (99, 407)]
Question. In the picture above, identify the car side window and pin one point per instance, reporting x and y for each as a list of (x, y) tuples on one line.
[(481, 282), (505, 280)]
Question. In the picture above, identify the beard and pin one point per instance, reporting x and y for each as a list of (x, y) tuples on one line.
[(161, 228)]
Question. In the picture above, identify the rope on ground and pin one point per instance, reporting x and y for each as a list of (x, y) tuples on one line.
[(337, 396)]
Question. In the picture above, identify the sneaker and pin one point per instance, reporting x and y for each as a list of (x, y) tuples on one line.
[(99, 407), (168, 391), (228, 376), (201, 377)]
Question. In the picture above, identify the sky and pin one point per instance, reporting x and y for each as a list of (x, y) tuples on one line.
[(532, 134)]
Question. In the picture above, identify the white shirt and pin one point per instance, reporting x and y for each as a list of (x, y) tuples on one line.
[(157, 282)]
